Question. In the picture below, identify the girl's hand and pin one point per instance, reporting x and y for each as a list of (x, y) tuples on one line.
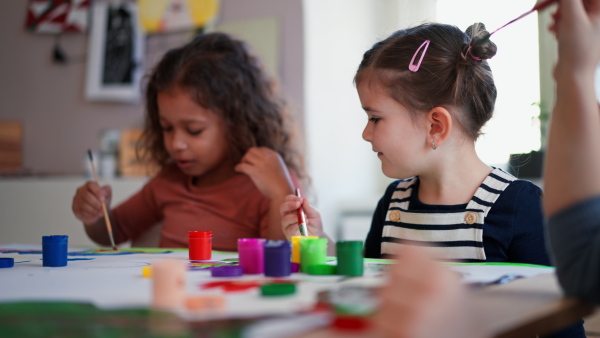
[(87, 205), (267, 170), (289, 217)]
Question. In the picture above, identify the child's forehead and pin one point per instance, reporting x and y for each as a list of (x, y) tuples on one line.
[(376, 82), (182, 107), (373, 91)]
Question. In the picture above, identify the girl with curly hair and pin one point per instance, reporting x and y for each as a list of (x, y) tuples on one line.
[(223, 143)]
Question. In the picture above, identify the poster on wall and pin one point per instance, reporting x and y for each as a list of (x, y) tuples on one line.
[(161, 16), (115, 53), (57, 16)]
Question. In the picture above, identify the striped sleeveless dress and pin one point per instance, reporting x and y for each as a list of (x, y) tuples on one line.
[(451, 235)]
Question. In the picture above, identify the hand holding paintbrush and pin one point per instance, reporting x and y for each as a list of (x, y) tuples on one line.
[(301, 217), (89, 206), (106, 218)]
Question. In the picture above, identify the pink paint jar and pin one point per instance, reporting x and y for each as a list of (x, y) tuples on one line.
[(251, 255), (200, 245)]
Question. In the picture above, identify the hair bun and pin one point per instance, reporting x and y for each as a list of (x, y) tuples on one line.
[(480, 46)]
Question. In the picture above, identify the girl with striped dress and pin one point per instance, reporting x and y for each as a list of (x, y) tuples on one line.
[(428, 91)]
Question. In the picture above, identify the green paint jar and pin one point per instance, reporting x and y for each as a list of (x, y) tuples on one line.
[(350, 258), (313, 251)]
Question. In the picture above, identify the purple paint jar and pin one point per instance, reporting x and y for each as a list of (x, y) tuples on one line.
[(227, 271), (278, 257), (251, 255)]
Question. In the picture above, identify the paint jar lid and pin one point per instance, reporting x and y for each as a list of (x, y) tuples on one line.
[(349, 245), (278, 246), (7, 262), (58, 239), (200, 234), (278, 289), (147, 272), (316, 242), (296, 239), (321, 269), (227, 271), (251, 243)]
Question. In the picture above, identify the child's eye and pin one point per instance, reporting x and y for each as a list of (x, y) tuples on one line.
[(166, 129), (195, 132), (374, 119)]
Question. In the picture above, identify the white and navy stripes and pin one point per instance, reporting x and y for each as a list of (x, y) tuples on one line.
[(489, 191), (451, 235)]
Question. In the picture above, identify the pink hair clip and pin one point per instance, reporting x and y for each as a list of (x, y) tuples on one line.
[(412, 67)]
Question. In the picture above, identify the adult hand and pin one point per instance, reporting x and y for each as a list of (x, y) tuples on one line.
[(423, 299), (577, 27)]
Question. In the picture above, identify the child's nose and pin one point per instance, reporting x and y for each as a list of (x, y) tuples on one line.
[(367, 133), (179, 142)]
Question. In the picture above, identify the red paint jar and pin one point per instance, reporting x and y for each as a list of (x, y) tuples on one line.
[(200, 245)]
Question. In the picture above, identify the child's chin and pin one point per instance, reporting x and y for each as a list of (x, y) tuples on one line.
[(393, 174), (189, 171)]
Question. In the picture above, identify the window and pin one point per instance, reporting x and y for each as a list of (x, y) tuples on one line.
[(346, 173), (515, 127)]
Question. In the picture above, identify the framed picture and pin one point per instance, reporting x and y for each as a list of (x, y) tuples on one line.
[(57, 16), (115, 53)]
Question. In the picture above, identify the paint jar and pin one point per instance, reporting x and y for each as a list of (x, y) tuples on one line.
[(54, 250), (168, 283), (251, 255), (350, 258), (313, 251), (200, 245), (227, 271), (296, 247), (277, 258)]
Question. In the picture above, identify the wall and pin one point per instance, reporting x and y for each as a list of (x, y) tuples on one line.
[(59, 125), (346, 172), (33, 207)]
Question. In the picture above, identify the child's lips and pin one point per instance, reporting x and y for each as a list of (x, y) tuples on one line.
[(184, 163)]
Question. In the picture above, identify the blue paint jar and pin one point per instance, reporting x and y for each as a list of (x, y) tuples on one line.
[(54, 250), (278, 258)]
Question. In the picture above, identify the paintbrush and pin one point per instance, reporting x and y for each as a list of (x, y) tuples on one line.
[(301, 217), (106, 218), (538, 7)]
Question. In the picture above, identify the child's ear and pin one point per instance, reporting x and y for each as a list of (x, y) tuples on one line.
[(439, 125)]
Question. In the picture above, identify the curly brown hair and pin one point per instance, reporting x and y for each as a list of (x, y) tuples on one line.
[(453, 71), (220, 74)]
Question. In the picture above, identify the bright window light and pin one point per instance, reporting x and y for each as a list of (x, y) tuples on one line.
[(515, 127)]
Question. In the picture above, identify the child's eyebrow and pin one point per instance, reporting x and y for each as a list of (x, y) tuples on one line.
[(187, 121), (195, 121), (369, 109)]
